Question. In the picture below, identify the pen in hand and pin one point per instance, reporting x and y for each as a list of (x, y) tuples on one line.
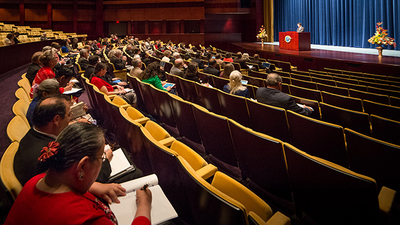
[(145, 186)]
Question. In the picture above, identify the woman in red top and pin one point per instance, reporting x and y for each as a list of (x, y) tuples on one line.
[(48, 60), (99, 71), (66, 194), (228, 57)]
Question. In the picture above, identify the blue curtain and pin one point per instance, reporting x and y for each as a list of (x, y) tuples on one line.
[(347, 23)]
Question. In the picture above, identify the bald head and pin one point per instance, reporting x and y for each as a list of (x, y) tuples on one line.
[(178, 63), (274, 81)]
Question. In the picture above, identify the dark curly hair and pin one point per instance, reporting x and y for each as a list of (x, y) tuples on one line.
[(152, 70)]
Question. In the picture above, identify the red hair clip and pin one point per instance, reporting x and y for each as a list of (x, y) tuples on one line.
[(50, 150)]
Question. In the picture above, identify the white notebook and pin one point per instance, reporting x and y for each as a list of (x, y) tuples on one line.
[(161, 208)]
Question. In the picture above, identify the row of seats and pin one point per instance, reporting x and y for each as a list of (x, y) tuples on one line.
[(174, 162), (262, 159)]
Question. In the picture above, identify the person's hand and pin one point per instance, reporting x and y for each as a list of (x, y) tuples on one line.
[(161, 68), (122, 83), (85, 107), (115, 78), (68, 87), (124, 58), (83, 120), (163, 83), (109, 154), (143, 202), (168, 88), (108, 192), (62, 61), (120, 88)]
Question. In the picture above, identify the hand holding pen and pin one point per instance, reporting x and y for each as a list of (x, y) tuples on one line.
[(143, 201)]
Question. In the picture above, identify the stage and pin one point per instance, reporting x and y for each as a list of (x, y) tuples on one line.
[(354, 59)]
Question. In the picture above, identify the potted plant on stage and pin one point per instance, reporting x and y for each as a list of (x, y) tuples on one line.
[(262, 35), (381, 38)]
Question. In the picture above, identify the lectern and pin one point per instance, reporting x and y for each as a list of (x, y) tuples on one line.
[(291, 40)]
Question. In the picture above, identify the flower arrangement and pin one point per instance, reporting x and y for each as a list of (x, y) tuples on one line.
[(263, 33), (381, 36)]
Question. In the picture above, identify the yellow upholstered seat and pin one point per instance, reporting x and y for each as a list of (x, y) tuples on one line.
[(20, 93), (133, 114), (17, 128), (159, 133), (26, 85), (20, 108), (7, 174)]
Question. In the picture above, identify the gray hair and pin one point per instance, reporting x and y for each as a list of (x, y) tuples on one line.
[(135, 62), (49, 85), (273, 79)]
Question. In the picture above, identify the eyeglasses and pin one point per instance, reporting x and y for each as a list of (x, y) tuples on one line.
[(103, 157)]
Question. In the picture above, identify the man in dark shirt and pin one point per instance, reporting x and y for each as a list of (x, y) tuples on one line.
[(93, 60), (34, 67), (273, 95), (211, 68), (239, 60)]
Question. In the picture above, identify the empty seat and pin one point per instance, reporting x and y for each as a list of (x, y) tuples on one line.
[(20, 108), (305, 93), (318, 138), (300, 77), (342, 101), (323, 81), (353, 86), (17, 128), (383, 110), (346, 80), (215, 135), (384, 99), (259, 82), (333, 89), (8, 178), (159, 133), (304, 84), (26, 85), (331, 194), (188, 90), (374, 158), (21, 94), (263, 163), (163, 107), (394, 101), (383, 91), (269, 120), (316, 114), (385, 129), (147, 97), (374, 84), (134, 83), (234, 107), (219, 82), (208, 98)]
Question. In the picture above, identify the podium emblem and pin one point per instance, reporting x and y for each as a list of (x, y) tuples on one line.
[(288, 39)]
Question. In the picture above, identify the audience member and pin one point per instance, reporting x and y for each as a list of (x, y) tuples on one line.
[(167, 54), (93, 60), (16, 35), (198, 60), (137, 68), (146, 59), (257, 61), (273, 95), (73, 162), (74, 43), (212, 63), (33, 67), (235, 86), (228, 57), (239, 60), (9, 40), (191, 72), (175, 56), (118, 60), (108, 89), (246, 57), (227, 70), (151, 75), (177, 68), (43, 37), (48, 60), (83, 59), (218, 58)]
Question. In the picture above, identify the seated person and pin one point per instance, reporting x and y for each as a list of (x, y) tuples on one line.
[(273, 95), (151, 75), (212, 63), (198, 60), (93, 60), (34, 67), (48, 60), (83, 59), (239, 60), (67, 193), (227, 70), (97, 79), (235, 86), (167, 55), (191, 72), (118, 60), (137, 68), (177, 68), (228, 57)]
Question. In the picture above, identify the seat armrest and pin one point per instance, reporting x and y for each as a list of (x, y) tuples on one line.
[(386, 197), (278, 219), (254, 219), (207, 171), (142, 120), (167, 141)]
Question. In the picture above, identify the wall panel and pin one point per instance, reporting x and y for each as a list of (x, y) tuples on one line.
[(9, 14), (36, 14)]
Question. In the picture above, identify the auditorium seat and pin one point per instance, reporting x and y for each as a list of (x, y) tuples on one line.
[(21, 94), (284, 80), (113, 102), (317, 71), (149, 104), (358, 121), (346, 80), (300, 77), (188, 90), (208, 98), (318, 138), (376, 76), (225, 201), (385, 129), (394, 101), (17, 128), (333, 89), (26, 85), (259, 82), (263, 163), (8, 178), (204, 77), (383, 91), (349, 72), (134, 84), (374, 158), (374, 84), (383, 110), (215, 135), (353, 86), (305, 93), (285, 88), (163, 106), (262, 75), (323, 81), (362, 79), (252, 90), (384, 99), (234, 107), (20, 108), (322, 76), (331, 194), (184, 118), (304, 84), (342, 101), (333, 70), (316, 114), (269, 120), (159, 133)]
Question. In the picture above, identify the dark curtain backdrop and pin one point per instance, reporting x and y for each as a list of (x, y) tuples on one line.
[(347, 23)]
